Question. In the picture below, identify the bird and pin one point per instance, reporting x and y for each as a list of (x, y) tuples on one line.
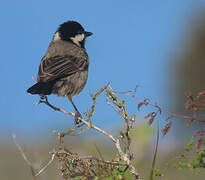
[(63, 70)]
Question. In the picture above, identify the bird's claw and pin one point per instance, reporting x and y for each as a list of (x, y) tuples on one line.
[(77, 116), (43, 99)]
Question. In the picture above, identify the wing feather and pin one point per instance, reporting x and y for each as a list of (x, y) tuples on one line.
[(60, 66)]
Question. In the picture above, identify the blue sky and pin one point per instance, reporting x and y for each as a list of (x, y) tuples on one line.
[(132, 44)]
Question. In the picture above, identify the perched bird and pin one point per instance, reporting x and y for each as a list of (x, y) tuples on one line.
[(63, 70)]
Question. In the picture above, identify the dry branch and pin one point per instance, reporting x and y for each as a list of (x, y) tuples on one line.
[(24, 157), (125, 156), (29, 163)]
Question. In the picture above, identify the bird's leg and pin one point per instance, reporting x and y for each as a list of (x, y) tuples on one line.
[(77, 113), (43, 97)]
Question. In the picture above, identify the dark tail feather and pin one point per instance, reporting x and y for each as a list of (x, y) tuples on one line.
[(41, 88)]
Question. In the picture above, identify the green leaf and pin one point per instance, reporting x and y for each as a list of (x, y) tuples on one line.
[(189, 146)]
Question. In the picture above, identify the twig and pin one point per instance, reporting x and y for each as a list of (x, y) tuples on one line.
[(75, 156), (125, 158), (24, 157), (171, 114), (43, 169), (123, 155), (155, 154), (55, 108), (28, 162), (114, 107), (98, 150), (84, 121)]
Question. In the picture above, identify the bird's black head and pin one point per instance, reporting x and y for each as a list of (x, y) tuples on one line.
[(73, 32)]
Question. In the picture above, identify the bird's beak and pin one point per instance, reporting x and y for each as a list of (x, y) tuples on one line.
[(88, 34)]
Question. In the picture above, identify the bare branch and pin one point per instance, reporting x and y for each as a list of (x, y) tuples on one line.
[(84, 121), (43, 169), (123, 155), (98, 150), (75, 156), (125, 158), (24, 157)]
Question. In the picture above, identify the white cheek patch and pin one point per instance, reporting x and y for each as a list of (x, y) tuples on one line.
[(78, 38), (56, 36)]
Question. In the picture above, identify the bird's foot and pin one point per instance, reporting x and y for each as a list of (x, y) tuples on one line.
[(43, 97), (77, 116)]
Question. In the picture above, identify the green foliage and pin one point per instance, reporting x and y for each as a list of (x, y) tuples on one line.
[(153, 169), (194, 161), (158, 173), (189, 146), (82, 167), (75, 166)]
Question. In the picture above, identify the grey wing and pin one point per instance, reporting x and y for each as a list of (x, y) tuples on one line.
[(58, 67)]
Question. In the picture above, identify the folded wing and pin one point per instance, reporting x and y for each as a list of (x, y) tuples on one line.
[(54, 68), (59, 67)]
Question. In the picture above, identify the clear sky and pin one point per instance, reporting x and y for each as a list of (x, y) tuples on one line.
[(132, 44)]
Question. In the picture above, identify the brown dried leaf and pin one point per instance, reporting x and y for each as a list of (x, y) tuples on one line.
[(166, 129), (188, 105), (146, 101), (151, 120), (159, 108), (201, 94), (148, 115), (140, 105), (196, 104), (199, 143), (197, 133), (190, 96), (151, 115)]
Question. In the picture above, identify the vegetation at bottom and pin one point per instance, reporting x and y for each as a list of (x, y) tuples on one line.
[(123, 164)]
